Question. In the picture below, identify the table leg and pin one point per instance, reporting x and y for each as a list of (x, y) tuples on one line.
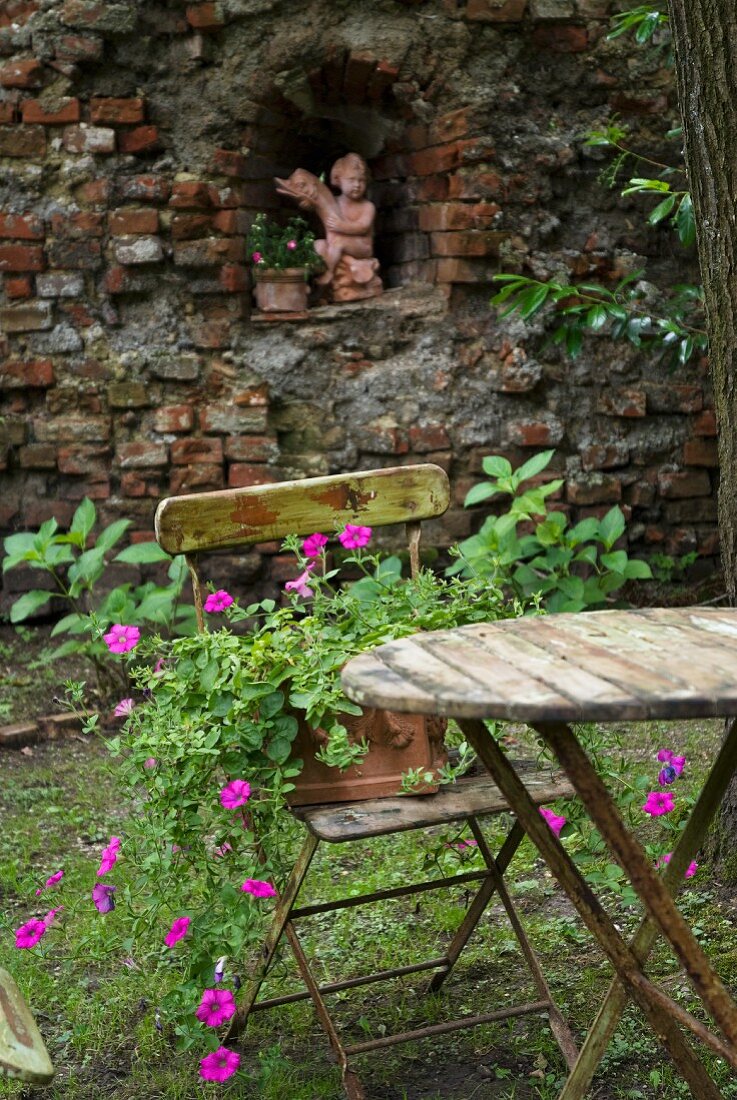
[(589, 908), (609, 1015), (646, 881)]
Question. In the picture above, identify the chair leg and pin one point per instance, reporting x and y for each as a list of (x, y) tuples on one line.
[(479, 903), (279, 922)]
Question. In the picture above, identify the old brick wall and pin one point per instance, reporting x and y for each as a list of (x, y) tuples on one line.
[(139, 137)]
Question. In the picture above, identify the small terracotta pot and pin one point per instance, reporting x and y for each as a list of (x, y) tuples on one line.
[(281, 291), (398, 742)]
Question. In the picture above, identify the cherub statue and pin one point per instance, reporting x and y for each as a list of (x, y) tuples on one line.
[(348, 218)]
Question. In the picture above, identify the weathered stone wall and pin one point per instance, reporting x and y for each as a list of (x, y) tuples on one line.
[(139, 137)]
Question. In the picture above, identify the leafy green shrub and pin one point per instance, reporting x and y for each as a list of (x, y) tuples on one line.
[(568, 568), (76, 561)]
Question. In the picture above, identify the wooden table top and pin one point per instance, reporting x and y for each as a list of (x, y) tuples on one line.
[(589, 666)]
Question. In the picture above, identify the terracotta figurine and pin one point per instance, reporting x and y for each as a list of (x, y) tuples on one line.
[(348, 218)]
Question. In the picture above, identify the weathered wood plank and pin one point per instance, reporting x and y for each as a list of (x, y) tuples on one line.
[(474, 796), (22, 1051), (233, 517)]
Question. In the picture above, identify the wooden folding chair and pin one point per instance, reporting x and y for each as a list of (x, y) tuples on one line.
[(408, 494), (22, 1051)]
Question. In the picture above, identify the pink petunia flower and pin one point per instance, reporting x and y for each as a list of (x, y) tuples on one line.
[(102, 895), (257, 258), (219, 972), (291, 245), (216, 1006), (109, 856), (678, 763), (236, 794), (299, 584), (658, 803), (690, 870), (51, 916), (178, 931), (218, 601), (150, 762), (125, 706), (354, 537), (258, 889), (220, 1065), (222, 849), (121, 639), (51, 881), (29, 934), (555, 821), (313, 544)]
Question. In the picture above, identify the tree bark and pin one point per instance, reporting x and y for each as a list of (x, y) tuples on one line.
[(705, 48)]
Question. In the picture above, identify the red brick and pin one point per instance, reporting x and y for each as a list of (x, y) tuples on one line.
[(496, 11), (594, 489), (601, 456), (705, 424), (201, 476), (174, 418), (91, 462), (251, 448), (358, 70), (447, 127), (239, 194), (141, 140), (628, 403), (78, 47), (209, 251), (701, 452), (75, 255), (190, 195), (448, 216), (57, 112), (439, 158), (205, 17), (22, 74), (454, 270), (77, 226), (185, 452), (37, 456), (118, 280), (89, 139), (21, 257), (476, 184), (231, 221), (428, 437), (561, 38), (676, 485), (114, 110), (626, 103), (230, 163), (7, 112), (19, 287), (144, 188), (233, 278), (141, 454), (382, 78), (674, 398), (26, 227), (473, 243), (72, 429), (211, 334), (86, 13), (535, 433), (124, 222), (22, 141), (96, 192), (131, 485), (95, 490), (18, 373), (188, 227), (241, 474)]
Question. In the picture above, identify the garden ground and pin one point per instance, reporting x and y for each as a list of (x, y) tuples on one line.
[(58, 806)]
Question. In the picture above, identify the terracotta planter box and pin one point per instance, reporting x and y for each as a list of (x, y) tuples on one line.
[(281, 291), (398, 742)]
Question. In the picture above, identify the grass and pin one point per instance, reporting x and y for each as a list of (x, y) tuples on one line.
[(97, 1012)]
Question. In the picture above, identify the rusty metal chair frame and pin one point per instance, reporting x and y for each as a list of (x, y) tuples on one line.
[(200, 522)]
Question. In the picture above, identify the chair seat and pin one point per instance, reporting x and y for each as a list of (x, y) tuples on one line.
[(475, 796)]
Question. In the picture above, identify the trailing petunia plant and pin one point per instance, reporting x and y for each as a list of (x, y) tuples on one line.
[(206, 754), (276, 247)]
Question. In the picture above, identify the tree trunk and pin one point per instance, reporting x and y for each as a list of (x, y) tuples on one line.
[(705, 46)]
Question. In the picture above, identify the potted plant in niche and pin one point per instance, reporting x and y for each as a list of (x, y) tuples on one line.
[(283, 257)]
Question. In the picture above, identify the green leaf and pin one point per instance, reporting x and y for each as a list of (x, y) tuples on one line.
[(532, 301), (88, 567), (496, 466), (597, 317), (71, 624), (615, 561), (612, 526), (662, 210), (70, 646), (112, 534), (685, 222), (27, 604), (83, 519), (483, 491), (142, 553), (534, 465), (637, 570)]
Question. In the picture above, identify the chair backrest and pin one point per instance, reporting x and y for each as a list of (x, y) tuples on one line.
[(196, 522), (22, 1051)]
